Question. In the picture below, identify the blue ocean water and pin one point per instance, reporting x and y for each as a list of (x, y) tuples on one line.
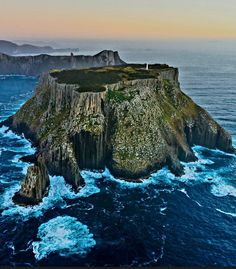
[(163, 221)]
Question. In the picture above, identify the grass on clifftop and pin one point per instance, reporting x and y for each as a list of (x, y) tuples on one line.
[(94, 79)]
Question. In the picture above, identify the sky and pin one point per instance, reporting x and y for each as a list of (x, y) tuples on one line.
[(118, 19)]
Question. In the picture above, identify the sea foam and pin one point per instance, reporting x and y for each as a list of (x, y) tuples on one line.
[(58, 192), (64, 235)]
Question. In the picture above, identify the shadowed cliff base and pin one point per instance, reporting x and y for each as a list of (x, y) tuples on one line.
[(131, 120)]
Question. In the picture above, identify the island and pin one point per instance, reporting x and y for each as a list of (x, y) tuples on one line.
[(132, 119)]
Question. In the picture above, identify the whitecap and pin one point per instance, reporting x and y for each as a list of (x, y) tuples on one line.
[(65, 236), (162, 209), (185, 192), (222, 189), (226, 213), (200, 205), (58, 192), (161, 176), (26, 149), (198, 149), (8, 133)]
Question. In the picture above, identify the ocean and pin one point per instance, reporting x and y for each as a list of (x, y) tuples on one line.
[(168, 221)]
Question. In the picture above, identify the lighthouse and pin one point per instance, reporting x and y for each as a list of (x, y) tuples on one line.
[(146, 66)]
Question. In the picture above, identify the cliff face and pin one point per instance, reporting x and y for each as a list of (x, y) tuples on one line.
[(139, 123), (35, 185), (35, 65)]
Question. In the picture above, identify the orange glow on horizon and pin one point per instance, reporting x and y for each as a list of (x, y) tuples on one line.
[(60, 19)]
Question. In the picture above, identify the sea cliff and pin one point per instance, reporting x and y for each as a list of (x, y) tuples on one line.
[(35, 65), (129, 119)]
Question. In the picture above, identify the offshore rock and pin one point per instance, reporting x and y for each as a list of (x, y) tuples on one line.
[(34, 186), (131, 120)]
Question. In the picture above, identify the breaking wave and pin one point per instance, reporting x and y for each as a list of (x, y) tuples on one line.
[(226, 213), (58, 192), (65, 236)]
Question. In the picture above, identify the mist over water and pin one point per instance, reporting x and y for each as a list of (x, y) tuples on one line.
[(164, 220)]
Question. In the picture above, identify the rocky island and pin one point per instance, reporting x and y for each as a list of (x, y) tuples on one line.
[(126, 118)]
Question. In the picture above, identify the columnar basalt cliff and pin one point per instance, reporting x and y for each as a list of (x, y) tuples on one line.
[(131, 120), (35, 65), (35, 185)]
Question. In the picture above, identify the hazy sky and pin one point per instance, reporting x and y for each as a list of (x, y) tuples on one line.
[(132, 19)]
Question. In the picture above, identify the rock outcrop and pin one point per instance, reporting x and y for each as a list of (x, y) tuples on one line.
[(35, 65), (131, 120), (35, 185)]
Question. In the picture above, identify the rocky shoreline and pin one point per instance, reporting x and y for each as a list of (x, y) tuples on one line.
[(134, 125)]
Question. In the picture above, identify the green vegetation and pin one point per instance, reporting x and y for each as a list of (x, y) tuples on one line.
[(54, 124), (95, 79), (118, 96)]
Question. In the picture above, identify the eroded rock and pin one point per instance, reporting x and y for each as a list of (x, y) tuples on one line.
[(35, 185), (131, 120)]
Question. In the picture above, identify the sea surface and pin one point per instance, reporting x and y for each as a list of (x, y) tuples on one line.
[(187, 221)]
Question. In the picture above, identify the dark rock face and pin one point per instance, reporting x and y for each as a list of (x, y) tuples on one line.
[(35, 65), (29, 159), (133, 127), (35, 185), (90, 150), (204, 135)]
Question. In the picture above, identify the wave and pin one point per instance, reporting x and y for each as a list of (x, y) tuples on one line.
[(16, 76), (222, 189), (64, 235), (5, 133), (226, 213), (187, 195), (195, 173), (24, 145), (58, 192), (163, 175)]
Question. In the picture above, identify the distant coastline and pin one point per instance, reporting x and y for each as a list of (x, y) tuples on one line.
[(11, 48)]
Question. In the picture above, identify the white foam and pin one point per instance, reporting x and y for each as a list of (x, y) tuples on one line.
[(198, 203), (222, 189), (234, 141), (58, 192), (9, 134), (26, 149), (65, 236), (161, 176), (27, 146), (201, 159), (226, 213), (198, 149), (3, 129), (16, 76), (185, 192), (162, 209)]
